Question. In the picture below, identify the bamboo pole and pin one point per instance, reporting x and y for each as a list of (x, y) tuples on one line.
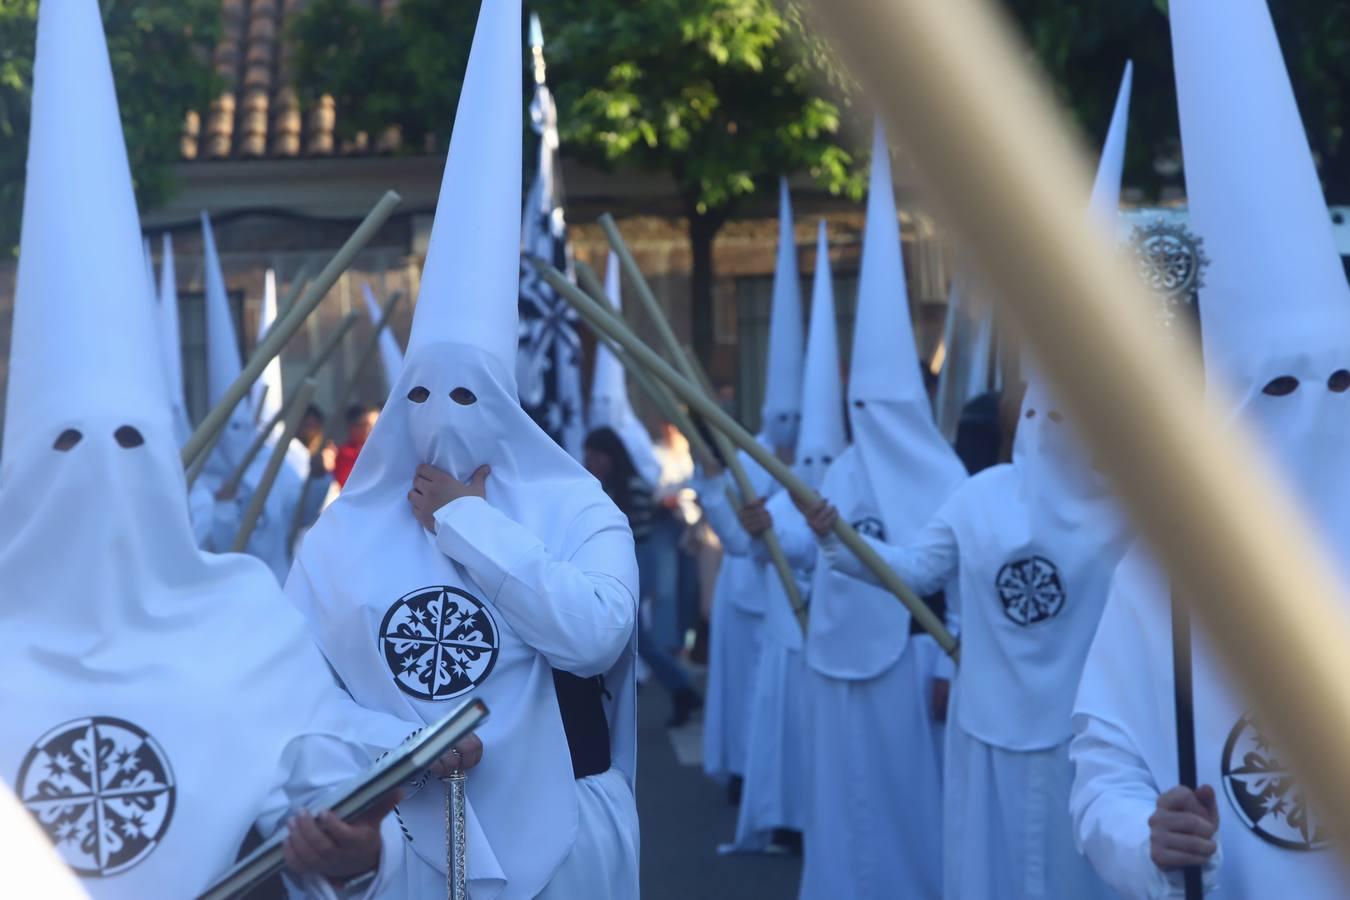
[(269, 477), (283, 329), (665, 404), (293, 293), (744, 486), (705, 407), (326, 350), (367, 353), (985, 134)]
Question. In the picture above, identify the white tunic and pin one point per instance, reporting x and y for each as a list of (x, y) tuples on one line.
[(1270, 837), (736, 621), (868, 690), (1026, 623), (777, 777), (504, 611)]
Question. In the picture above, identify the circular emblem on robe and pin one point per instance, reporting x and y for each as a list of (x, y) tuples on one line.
[(1030, 589), (439, 642), (103, 791), (1263, 793), (871, 526)]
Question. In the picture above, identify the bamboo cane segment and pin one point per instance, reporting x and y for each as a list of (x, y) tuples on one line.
[(713, 414), (326, 350), (269, 477), (282, 331), (743, 484)]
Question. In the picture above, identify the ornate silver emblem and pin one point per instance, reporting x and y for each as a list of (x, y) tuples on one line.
[(1170, 261)]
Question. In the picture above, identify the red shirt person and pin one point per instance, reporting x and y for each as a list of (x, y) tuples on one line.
[(360, 421)]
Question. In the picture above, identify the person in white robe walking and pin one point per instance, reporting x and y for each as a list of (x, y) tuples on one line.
[(470, 556), (1031, 547), (1275, 329), (159, 701), (870, 676)]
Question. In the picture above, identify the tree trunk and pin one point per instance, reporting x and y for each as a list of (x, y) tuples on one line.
[(703, 228)]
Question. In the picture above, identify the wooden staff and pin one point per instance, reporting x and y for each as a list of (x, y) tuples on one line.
[(282, 330), (600, 319), (667, 405), (744, 486), (366, 353), (993, 150), (326, 351), (269, 477)]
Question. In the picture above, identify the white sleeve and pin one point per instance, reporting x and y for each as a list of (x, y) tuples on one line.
[(1112, 798), (723, 519), (579, 612), (311, 764), (926, 564), (224, 520), (796, 536)]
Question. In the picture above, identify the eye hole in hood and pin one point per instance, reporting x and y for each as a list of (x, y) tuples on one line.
[(128, 437), (67, 440), (1281, 387)]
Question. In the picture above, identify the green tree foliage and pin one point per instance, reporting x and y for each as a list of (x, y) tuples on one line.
[(713, 93), (161, 65), (1084, 45)]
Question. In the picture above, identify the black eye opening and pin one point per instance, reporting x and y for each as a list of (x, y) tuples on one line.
[(783, 417), (1031, 414), (1055, 416), (419, 394), (1339, 382), (463, 396), (128, 437), (1281, 387), (858, 404), (66, 440)]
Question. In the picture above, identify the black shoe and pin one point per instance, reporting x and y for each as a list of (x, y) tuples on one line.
[(734, 786), (683, 702)]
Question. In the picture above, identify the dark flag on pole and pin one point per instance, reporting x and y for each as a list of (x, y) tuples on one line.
[(548, 365)]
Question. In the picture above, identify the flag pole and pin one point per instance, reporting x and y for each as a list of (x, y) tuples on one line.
[(282, 330), (744, 486), (602, 320), (269, 477)]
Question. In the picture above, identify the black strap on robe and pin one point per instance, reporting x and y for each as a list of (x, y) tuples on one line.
[(938, 604), (582, 704)]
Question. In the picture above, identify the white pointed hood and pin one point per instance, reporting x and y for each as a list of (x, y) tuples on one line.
[(171, 341), (610, 406), (782, 411), (455, 407), (223, 366), (109, 665), (266, 393), (1040, 538), (391, 357), (822, 436), (1274, 301), (909, 464)]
